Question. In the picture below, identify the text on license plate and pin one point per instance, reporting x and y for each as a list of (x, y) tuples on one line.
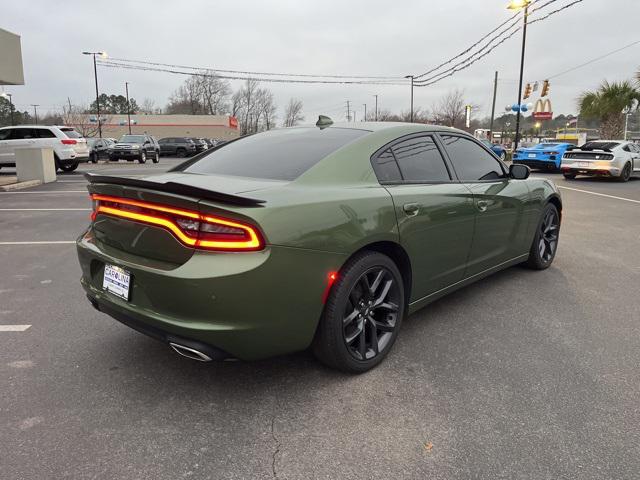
[(116, 280), (532, 155), (583, 164)]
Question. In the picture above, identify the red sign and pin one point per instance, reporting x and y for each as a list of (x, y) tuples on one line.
[(542, 115), (233, 122)]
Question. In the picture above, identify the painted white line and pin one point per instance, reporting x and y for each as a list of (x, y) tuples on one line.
[(45, 209), (14, 328), (71, 181), (53, 242), (600, 194), (46, 193)]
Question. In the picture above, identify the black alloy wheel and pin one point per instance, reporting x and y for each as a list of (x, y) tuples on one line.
[(625, 175), (545, 242), (362, 314)]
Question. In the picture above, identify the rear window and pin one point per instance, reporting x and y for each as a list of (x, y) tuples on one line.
[(548, 145), (599, 145), (277, 155), (70, 133)]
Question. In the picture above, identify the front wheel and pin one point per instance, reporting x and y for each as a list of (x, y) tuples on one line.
[(362, 314), (545, 242), (156, 157), (93, 158), (143, 157), (625, 175)]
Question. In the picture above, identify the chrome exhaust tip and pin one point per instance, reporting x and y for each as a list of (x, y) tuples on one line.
[(189, 352)]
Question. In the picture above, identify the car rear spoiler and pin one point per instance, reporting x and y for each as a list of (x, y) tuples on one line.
[(178, 188)]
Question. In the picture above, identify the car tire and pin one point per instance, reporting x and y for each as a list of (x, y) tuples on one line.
[(359, 325), (625, 174), (143, 157), (569, 176), (156, 157), (545, 241), (69, 167), (181, 152), (93, 158)]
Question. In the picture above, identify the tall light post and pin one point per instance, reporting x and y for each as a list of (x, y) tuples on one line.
[(517, 5), (376, 117), (35, 112), (411, 77), (126, 87), (8, 96), (95, 75), (365, 112)]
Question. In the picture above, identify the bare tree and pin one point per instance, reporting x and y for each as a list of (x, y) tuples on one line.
[(450, 109), (254, 107), (148, 106), (293, 113), (85, 124), (215, 93)]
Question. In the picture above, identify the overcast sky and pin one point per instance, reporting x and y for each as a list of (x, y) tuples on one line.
[(364, 37)]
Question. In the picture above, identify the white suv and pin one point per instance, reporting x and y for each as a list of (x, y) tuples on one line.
[(69, 148), (608, 158)]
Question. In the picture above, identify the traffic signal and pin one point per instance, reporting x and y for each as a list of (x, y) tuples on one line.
[(545, 88), (527, 91)]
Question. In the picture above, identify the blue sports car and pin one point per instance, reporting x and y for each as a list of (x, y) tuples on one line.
[(497, 149), (546, 156)]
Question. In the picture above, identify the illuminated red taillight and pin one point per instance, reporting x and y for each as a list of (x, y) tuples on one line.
[(68, 141), (193, 229)]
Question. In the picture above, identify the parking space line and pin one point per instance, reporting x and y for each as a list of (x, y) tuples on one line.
[(600, 194), (14, 328), (52, 242), (41, 192), (45, 209)]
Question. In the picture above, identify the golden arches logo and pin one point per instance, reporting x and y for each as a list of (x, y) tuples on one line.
[(542, 106)]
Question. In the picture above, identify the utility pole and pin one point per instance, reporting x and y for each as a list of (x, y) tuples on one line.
[(524, 43), (411, 77), (493, 106), (365, 112), (95, 76), (35, 112), (354, 115), (376, 117), (126, 86), (348, 112)]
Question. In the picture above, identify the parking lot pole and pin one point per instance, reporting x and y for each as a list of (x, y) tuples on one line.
[(518, 4), (376, 116), (411, 114), (126, 87), (95, 75)]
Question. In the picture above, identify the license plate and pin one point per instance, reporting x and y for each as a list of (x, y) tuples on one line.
[(532, 155), (583, 164), (116, 280)]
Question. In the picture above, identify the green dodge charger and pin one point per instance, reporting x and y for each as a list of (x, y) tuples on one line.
[(323, 236)]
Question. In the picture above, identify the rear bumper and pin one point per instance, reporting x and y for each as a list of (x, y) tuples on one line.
[(599, 168), (128, 154), (536, 163), (73, 161), (246, 305)]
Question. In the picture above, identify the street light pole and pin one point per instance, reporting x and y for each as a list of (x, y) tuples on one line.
[(365, 112), (515, 5), (376, 117), (35, 112), (95, 75), (126, 86), (411, 77), (9, 95)]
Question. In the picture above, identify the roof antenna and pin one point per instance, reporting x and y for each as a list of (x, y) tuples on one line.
[(323, 121)]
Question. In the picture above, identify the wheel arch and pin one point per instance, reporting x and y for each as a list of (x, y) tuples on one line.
[(555, 200)]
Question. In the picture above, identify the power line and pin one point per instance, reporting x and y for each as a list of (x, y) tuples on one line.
[(553, 12), (244, 72), (593, 60)]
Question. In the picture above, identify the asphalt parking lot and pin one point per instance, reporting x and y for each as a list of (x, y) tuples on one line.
[(525, 375)]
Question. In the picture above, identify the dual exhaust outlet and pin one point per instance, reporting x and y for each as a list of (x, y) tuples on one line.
[(189, 352)]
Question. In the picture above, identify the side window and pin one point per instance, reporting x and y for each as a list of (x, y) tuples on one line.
[(44, 133), (386, 167), (470, 160), (626, 148), (19, 133), (5, 134), (420, 160)]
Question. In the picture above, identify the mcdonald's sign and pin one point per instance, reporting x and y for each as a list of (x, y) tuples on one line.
[(542, 109)]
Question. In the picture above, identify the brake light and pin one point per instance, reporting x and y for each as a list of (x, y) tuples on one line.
[(551, 153), (68, 141), (193, 229)]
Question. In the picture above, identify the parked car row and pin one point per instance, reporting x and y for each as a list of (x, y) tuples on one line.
[(186, 146), (619, 159)]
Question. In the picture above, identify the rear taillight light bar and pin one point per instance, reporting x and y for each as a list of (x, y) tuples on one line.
[(193, 229), (69, 141)]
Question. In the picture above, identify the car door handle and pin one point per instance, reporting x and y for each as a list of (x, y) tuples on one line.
[(411, 209), (482, 205)]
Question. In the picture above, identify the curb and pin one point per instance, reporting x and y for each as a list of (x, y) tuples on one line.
[(20, 185)]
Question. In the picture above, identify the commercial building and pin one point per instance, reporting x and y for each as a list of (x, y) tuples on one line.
[(219, 127)]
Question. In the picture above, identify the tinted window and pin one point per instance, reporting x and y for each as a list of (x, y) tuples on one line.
[(279, 154), (4, 134), (599, 145), (22, 133), (470, 160), (420, 161), (386, 167), (45, 133)]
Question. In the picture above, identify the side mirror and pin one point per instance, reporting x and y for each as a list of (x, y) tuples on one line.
[(519, 172)]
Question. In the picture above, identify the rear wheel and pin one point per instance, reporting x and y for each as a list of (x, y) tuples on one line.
[(569, 176), (545, 242), (181, 152), (156, 157), (93, 157), (362, 314), (143, 157), (69, 167), (625, 175)]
